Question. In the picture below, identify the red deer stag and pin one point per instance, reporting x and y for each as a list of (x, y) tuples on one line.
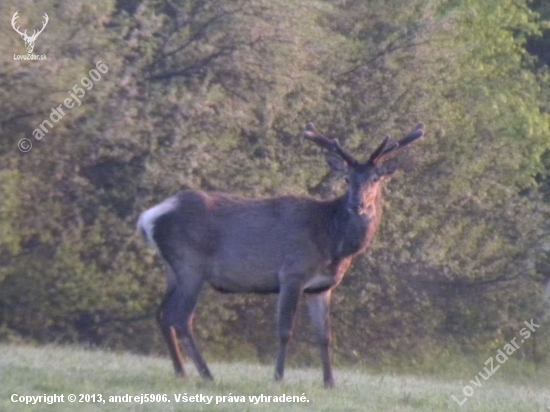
[(287, 245)]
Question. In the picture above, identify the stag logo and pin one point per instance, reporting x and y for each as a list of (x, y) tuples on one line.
[(29, 40)]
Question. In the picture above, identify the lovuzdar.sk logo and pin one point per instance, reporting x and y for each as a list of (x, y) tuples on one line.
[(29, 40)]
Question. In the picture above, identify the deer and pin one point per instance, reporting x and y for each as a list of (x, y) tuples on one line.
[(29, 40), (289, 245)]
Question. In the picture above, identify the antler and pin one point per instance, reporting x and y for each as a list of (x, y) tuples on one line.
[(35, 32), (333, 145), (386, 147), (15, 17)]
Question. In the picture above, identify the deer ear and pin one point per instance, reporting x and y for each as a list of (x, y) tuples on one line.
[(388, 168), (336, 163)]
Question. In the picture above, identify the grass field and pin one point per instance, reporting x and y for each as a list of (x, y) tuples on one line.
[(48, 370)]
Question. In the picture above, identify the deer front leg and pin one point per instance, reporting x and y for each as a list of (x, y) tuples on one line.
[(318, 305), (286, 308)]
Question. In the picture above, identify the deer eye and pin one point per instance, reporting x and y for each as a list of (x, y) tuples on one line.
[(346, 179), (376, 179)]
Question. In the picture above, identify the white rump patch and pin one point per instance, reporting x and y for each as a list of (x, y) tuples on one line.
[(148, 218)]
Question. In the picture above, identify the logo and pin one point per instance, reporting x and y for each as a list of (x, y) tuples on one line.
[(29, 40)]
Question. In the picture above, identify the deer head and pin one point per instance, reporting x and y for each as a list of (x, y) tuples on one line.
[(29, 40), (363, 179)]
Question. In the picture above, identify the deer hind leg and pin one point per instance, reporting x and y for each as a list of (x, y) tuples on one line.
[(189, 284), (318, 305), (167, 307), (289, 295), (184, 327), (185, 284)]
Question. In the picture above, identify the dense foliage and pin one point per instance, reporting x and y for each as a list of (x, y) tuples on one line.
[(213, 94)]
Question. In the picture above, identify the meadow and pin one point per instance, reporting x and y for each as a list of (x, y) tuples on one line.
[(63, 370)]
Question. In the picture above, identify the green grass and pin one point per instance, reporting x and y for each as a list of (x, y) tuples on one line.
[(27, 370)]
